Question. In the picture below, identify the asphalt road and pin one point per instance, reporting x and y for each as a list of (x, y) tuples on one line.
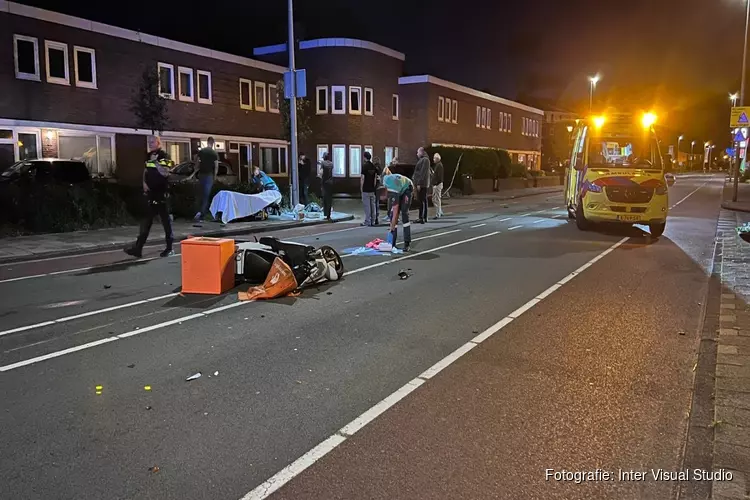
[(593, 373)]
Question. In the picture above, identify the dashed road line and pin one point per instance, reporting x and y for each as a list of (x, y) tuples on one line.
[(478, 225), (514, 227)]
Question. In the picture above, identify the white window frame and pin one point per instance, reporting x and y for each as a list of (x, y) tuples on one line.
[(170, 67), (454, 106), (371, 93), (333, 158), (201, 100), (318, 149), (49, 44), (510, 123), (355, 148), (385, 155), (479, 117), (256, 86), (182, 70), (524, 126), (342, 111), (355, 91), (27, 76), (489, 119), (273, 96), (397, 101), (368, 149), (249, 105), (92, 53), (318, 102), (441, 108)]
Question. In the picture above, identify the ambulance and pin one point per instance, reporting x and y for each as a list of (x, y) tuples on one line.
[(616, 173)]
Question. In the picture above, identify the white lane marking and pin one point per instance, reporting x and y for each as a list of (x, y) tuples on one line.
[(68, 271), (558, 216), (291, 471), (526, 215), (22, 278), (478, 225), (548, 291), (503, 220), (86, 314), (416, 239), (538, 221), (204, 313), (689, 195), (514, 227)]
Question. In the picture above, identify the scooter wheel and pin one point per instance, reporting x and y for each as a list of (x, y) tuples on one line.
[(331, 255)]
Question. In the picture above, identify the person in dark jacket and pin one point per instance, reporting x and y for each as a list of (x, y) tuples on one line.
[(304, 179), (156, 192), (421, 181), (326, 166), (437, 185), (378, 188)]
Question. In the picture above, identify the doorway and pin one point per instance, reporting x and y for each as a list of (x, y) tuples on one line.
[(245, 162)]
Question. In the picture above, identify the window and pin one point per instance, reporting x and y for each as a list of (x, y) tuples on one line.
[(26, 55), (260, 96), (388, 155), (322, 150), (321, 100), (273, 160), (246, 94), (441, 108), (94, 150), (489, 118), (84, 62), (56, 57), (205, 91), (523, 130), (479, 117), (454, 111), (28, 146), (178, 151), (510, 122), (369, 102), (355, 161), (166, 80), (368, 149), (338, 100), (355, 100), (185, 84), (339, 160), (395, 108), (273, 99)]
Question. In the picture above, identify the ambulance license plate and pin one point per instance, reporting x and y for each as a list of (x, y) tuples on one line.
[(628, 218)]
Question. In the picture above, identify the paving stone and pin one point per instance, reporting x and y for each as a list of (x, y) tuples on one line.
[(736, 417), (727, 305), (733, 371), (737, 340), (734, 399), (733, 359), (728, 349), (729, 456), (732, 384), (727, 296), (728, 331), (727, 318), (734, 489)]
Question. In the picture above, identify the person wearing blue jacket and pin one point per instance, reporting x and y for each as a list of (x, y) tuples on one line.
[(400, 189), (262, 182)]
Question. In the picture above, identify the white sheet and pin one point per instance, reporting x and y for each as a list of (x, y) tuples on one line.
[(237, 205)]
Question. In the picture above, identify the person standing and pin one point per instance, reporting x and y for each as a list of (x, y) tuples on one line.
[(304, 179), (378, 188), (367, 184), (400, 189), (156, 192), (421, 180), (437, 185), (326, 166), (208, 168)]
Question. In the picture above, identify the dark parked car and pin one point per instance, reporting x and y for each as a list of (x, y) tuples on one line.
[(184, 170), (48, 170)]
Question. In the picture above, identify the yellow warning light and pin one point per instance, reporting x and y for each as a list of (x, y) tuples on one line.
[(599, 121), (648, 120)]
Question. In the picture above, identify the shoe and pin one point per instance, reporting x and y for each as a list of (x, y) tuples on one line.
[(133, 252), (377, 222), (420, 221), (198, 217), (407, 248), (167, 253)]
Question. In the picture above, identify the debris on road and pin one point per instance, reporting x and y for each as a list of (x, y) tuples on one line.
[(154, 469), (99, 389), (681, 332), (148, 407), (107, 287), (131, 365), (216, 374), (193, 377), (146, 388), (404, 275)]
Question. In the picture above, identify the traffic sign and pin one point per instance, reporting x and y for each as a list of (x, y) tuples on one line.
[(740, 116)]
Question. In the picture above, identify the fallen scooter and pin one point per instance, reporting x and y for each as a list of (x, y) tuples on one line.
[(284, 266)]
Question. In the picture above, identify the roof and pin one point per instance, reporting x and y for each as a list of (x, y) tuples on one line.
[(409, 80), (135, 36), (331, 42)]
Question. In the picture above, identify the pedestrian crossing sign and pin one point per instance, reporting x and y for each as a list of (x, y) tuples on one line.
[(739, 116)]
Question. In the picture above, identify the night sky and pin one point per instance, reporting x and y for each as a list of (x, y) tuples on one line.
[(680, 56)]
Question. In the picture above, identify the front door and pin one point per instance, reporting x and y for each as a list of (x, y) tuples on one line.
[(245, 162)]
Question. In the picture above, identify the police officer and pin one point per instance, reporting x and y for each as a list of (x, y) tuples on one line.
[(156, 191)]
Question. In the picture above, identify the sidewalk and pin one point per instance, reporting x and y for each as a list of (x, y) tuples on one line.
[(731, 448), (743, 198)]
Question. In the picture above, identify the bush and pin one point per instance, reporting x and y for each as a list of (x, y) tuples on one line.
[(518, 170), (537, 173)]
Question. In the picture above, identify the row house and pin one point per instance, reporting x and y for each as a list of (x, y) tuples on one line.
[(69, 84)]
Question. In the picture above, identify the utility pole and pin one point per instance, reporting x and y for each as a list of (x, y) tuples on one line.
[(735, 185), (294, 160)]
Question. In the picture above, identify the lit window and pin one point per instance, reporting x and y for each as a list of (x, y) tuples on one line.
[(205, 93), (246, 94), (339, 160), (26, 55), (479, 117), (166, 80), (84, 62), (338, 100), (355, 100), (510, 122), (321, 100), (260, 96), (395, 108), (322, 150), (441, 108), (388, 155), (56, 57), (454, 111), (273, 99), (369, 102), (185, 83), (355, 161), (368, 149), (489, 118)]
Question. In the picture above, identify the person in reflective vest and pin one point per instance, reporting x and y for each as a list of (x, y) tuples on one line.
[(156, 192), (400, 189)]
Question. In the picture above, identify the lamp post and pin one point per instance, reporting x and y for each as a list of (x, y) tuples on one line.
[(593, 80), (742, 103), (294, 160), (679, 139), (692, 154)]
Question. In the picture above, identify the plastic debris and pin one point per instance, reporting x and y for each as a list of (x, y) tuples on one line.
[(131, 365), (148, 407), (154, 469), (107, 287), (403, 275), (216, 374), (681, 332), (193, 377), (385, 247)]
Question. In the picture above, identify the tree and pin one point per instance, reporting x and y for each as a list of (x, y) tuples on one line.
[(303, 116), (149, 108)]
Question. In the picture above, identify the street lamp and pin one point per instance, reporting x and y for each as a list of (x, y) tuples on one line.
[(692, 148), (679, 139), (570, 129), (733, 98), (594, 80)]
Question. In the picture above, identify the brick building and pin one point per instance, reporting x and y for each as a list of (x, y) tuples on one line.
[(556, 137), (68, 85)]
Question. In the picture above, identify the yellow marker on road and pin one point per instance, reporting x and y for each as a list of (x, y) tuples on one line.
[(146, 387), (99, 390)]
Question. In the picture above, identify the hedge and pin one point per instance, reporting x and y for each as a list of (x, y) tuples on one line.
[(480, 163), (27, 207)]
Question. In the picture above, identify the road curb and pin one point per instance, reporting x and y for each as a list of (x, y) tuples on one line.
[(213, 233), (506, 198), (728, 206)]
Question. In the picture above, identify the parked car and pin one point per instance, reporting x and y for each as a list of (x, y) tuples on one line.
[(48, 170), (670, 178), (183, 171)]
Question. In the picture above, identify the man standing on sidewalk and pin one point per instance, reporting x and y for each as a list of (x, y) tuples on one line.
[(437, 185), (367, 184), (208, 168), (156, 192), (304, 179), (326, 166), (422, 182)]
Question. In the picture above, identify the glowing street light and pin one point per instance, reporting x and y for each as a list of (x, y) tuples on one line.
[(679, 139), (593, 80), (599, 121), (570, 129), (733, 98), (648, 120)]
